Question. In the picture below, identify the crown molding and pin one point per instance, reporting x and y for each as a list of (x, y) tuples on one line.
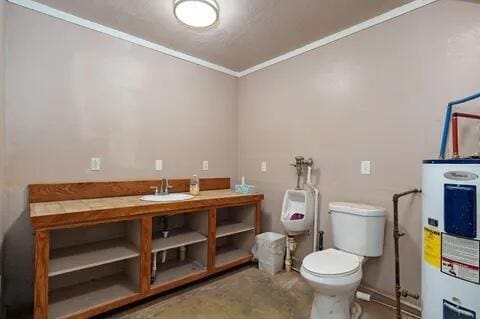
[(35, 6), (341, 34), (411, 6)]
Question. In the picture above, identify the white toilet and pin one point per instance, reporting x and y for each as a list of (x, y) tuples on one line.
[(358, 232)]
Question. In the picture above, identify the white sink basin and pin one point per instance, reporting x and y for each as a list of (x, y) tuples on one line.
[(166, 198)]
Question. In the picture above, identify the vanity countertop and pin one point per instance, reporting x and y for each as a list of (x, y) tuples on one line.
[(83, 211)]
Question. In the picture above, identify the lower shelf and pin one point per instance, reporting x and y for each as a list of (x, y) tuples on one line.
[(176, 270), (177, 238), (226, 255), (69, 300)]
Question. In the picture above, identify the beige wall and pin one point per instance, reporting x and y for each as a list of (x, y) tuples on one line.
[(378, 95), (2, 135), (74, 94)]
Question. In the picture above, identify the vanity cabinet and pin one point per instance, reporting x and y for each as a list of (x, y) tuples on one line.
[(99, 247)]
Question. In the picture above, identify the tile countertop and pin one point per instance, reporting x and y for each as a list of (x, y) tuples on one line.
[(44, 213)]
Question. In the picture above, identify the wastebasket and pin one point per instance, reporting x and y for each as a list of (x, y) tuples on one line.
[(269, 249)]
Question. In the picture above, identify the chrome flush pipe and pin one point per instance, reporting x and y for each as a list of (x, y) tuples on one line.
[(315, 216)]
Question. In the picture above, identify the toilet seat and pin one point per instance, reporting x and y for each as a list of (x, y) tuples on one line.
[(331, 263)]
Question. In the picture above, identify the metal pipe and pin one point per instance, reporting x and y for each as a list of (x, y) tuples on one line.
[(455, 117), (467, 115), (315, 216), (455, 136), (154, 268), (399, 291), (448, 115), (299, 163), (291, 246), (320, 240)]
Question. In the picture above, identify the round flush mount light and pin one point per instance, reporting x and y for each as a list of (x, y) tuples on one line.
[(196, 13)]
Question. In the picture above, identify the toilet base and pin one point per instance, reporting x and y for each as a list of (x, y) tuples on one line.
[(334, 307)]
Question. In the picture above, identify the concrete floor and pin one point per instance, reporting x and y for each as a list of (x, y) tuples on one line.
[(245, 293)]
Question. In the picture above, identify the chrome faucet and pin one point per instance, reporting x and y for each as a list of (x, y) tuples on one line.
[(163, 188), (155, 188)]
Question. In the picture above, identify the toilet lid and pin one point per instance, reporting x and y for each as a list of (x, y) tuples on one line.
[(331, 262)]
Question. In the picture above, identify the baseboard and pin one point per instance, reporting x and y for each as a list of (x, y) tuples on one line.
[(389, 301)]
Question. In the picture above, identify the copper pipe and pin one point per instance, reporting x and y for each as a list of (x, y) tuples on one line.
[(455, 117), (455, 136), (399, 291)]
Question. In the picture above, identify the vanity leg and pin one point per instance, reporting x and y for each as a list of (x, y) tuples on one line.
[(42, 249), (212, 231), (258, 217), (145, 254)]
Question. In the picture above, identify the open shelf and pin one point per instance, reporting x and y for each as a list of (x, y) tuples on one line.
[(75, 258), (176, 238), (91, 287), (234, 248), (234, 220), (69, 300), (235, 234), (175, 270), (226, 255), (231, 228), (75, 249)]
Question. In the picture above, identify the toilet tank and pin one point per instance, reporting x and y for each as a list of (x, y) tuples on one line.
[(358, 228)]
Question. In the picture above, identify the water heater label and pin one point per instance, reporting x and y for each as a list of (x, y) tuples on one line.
[(460, 176), (461, 258), (431, 247)]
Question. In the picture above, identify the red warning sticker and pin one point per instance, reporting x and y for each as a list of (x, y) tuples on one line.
[(461, 258)]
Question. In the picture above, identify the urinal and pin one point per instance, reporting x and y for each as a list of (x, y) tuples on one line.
[(297, 211)]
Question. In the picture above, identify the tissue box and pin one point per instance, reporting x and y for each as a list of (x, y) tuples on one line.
[(244, 189)]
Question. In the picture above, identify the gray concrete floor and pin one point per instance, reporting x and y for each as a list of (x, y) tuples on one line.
[(245, 293)]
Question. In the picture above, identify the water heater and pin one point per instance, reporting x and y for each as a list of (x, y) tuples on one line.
[(451, 239)]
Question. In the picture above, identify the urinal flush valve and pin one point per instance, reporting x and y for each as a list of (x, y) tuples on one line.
[(300, 164)]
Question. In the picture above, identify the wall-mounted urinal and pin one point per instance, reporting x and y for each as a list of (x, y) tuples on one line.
[(297, 211)]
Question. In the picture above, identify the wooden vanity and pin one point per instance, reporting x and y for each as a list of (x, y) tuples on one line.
[(94, 242)]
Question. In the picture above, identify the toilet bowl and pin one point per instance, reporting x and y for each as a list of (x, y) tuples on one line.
[(335, 273), (334, 276)]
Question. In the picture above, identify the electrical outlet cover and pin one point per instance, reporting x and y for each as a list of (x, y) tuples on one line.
[(365, 167), (263, 166), (95, 163)]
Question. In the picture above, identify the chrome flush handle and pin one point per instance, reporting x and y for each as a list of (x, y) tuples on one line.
[(156, 190), (167, 187)]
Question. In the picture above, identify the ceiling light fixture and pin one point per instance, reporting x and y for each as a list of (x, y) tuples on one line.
[(196, 13)]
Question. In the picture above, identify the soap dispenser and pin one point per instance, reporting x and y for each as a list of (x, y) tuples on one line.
[(195, 185)]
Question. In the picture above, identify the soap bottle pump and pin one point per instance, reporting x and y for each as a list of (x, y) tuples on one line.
[(194, 186)]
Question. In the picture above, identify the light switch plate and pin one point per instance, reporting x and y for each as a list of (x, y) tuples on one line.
[(205, 165), (158, 165), (95, 163), (365, 167), (263, 166)]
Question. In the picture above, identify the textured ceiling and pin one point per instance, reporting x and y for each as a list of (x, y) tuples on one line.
[(248, 32)]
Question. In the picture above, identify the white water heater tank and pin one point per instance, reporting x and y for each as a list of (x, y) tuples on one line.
[(451, 239)]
